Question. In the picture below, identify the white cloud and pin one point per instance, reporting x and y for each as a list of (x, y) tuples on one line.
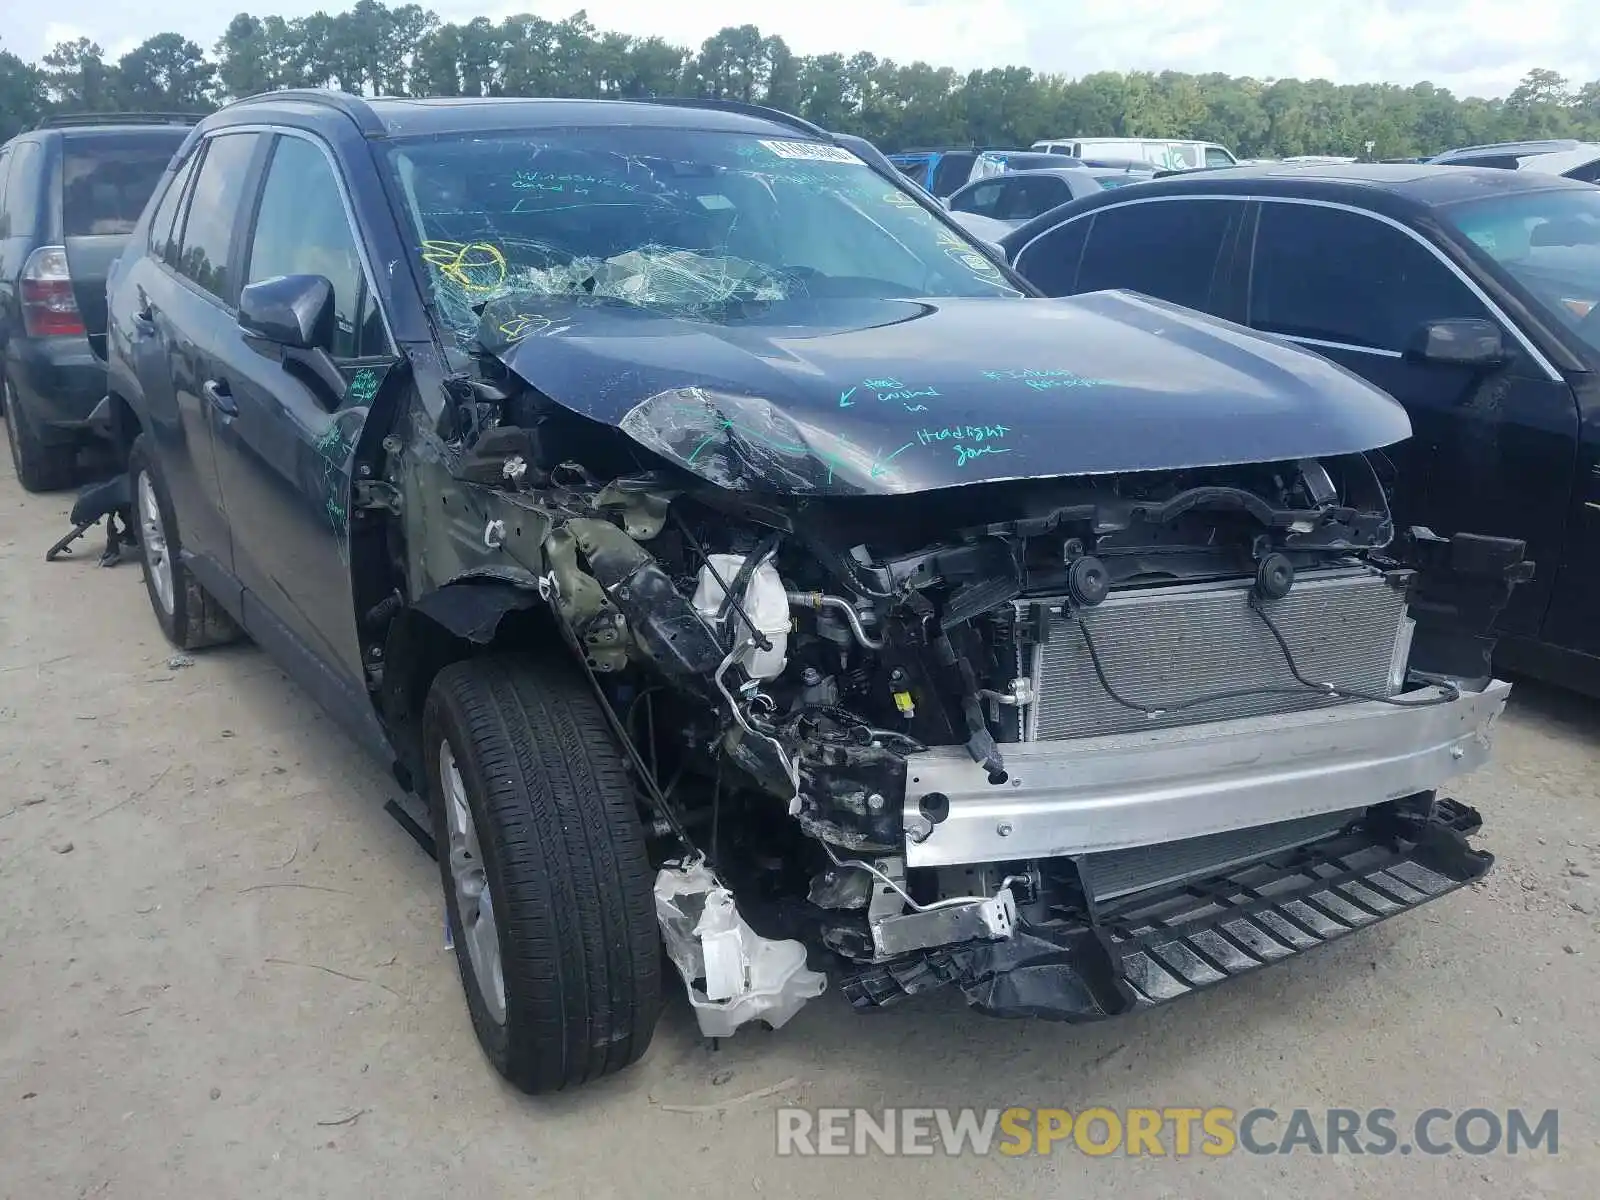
[(1479, 47)]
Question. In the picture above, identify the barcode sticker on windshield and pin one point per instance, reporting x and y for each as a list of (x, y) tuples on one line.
[(813, 152)]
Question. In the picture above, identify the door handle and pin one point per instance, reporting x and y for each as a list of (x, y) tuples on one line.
[(221, 398)]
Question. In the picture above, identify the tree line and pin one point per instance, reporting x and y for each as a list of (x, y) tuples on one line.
[(406, 50)]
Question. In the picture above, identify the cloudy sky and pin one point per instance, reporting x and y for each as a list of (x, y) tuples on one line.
[(1474, 47)]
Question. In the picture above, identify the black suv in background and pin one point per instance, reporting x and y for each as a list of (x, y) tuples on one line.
[(70, 193)]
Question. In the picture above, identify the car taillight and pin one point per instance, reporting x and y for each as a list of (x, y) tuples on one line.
[(49, 309)]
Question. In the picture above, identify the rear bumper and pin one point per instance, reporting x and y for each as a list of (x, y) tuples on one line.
[(1139, 789), (1170, 942), (59, 381)]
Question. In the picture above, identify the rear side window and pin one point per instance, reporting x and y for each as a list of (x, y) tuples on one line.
[(1050, 262), (1170, 249), (1026, 198), (1589, 173), (5, 169), (981, 198), (163, 244), (21, 201), (214, 211), (953, 171), (106, 180)]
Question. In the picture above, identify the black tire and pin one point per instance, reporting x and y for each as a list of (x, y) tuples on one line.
[(40, 467), (194, 619), (563, 851)]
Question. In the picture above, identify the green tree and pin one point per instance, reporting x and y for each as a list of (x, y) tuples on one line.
[(376, 48), (78, 78), (22, 95), (166, 73)]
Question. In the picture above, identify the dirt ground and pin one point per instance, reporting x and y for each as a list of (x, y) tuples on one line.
[(222, 974)]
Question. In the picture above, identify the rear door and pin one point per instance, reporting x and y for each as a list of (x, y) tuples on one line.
[(285, 453), (1491, 452), (183, 315), (106, 178)]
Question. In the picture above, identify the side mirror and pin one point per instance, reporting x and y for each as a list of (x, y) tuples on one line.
[(294, 311), (1462, 342)]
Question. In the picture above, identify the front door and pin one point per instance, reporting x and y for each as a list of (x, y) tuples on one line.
[(1491, 451), (284, 454)]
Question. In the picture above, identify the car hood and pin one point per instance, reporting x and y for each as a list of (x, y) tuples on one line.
[(898, 396)]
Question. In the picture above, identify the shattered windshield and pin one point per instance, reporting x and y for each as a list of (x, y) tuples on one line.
[(692, 223), (1547, 241)]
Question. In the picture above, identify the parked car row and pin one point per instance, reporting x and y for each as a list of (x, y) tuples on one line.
[(941, 173), (729, 554)]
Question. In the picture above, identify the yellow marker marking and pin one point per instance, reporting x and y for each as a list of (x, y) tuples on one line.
[(475, 266), (523, 324)]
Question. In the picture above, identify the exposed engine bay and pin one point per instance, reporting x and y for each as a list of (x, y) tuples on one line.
[(979, 735)]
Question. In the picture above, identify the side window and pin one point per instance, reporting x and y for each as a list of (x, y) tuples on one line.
[(1032, 195), (1050, 262), (163, 245), (1169, 249), (213, 213), (1216, 156), (5, 167), (1341, 276), (302, 229), (953, 170), (981, 199), (21, 201), (1589, 173)]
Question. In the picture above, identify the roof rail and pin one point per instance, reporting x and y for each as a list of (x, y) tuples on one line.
[(1532, 146), (353, 106), (68, 120), (776, 115)]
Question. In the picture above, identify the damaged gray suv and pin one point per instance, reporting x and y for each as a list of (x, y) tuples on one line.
[(746, 574)]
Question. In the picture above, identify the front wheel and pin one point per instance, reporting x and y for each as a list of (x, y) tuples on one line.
[(547, 883)]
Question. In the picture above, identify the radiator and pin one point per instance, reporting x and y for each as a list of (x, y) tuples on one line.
[(1162, 646)]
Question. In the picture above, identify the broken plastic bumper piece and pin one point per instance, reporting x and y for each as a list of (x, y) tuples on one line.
[(1165, 942), (732, 974)]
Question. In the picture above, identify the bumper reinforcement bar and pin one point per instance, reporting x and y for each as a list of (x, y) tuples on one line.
[(1140, 789)]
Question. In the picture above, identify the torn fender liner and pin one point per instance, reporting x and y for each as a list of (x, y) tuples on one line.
[(732, 974), (473, 608), (1168, 942)]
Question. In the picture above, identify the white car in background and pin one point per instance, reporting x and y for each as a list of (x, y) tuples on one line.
[(1169, 154), (1019, 196)]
